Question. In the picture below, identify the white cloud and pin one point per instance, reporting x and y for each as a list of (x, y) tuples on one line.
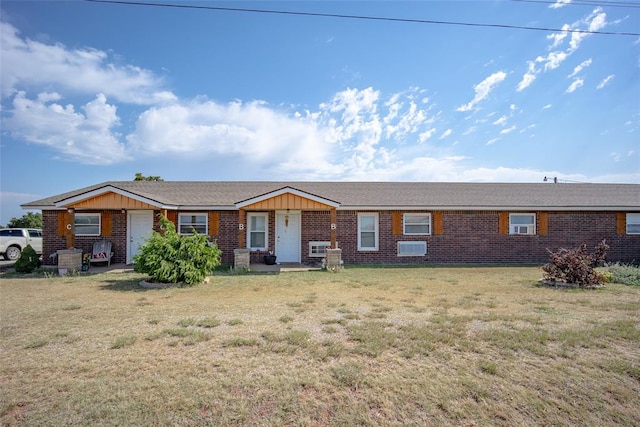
[(552, 60), (580, 67), (559, 37), (507, 130), (577, 83), (89, 71), (526, 81), (559, 3), (426, 135), (88, 138), (446, 134), (546, 107), (604, 82), (483, 89), (595, 21), (493, 141), (252, 131), (501, 121)]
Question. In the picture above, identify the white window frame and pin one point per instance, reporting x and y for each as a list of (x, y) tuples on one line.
[(181, 223), (633, 219), (80, 215), (517, 229), (408, 216), (412, 243), (264, 215), (376, 231)]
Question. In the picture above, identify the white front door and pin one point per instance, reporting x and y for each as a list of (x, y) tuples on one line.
[(288, 236), (139, 228)]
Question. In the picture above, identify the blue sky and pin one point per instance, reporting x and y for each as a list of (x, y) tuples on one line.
[(93, 92)]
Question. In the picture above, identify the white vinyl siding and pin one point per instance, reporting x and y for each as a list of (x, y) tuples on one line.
[(524, 223), (416, 224), (633, 223), (187, 222), (87, 224), (257, 231), (367, 231), (412, 248)]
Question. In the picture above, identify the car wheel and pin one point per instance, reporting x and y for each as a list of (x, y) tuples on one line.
[(13, 253)]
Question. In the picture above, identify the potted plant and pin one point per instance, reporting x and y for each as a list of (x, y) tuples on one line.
[(270, 258)]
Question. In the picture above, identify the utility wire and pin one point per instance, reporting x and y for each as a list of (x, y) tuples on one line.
[(361, 17)]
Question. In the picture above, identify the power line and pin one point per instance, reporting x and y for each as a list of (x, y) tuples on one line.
[(361, 17)]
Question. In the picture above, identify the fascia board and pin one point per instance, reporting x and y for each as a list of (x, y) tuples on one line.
[(286, 190), (108, 189)]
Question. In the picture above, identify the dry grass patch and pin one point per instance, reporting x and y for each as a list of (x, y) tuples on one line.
[(367, 346)]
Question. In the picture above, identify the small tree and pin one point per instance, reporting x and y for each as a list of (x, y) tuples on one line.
[(576, 266), (29, 260), (29, 220), (170, 258), (140, 177)]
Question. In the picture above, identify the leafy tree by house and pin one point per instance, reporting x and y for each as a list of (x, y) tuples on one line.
[(29, 220), (28, 261), (168, 257), (140, 177), (577, 266)]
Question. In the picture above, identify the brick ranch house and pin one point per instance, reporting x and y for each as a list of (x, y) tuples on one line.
[(372, 222)]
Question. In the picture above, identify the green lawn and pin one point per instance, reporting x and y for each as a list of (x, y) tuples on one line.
[(366, 346)]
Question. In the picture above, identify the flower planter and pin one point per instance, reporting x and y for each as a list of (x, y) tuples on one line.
[(270, 259)]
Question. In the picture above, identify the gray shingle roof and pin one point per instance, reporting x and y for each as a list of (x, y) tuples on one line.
[(383, 195)]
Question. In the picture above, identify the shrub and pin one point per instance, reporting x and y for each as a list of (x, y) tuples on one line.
[(624, 273), (576, 266), (170, 258), (29, 260)]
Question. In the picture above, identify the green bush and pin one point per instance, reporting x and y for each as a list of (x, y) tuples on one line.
[(170, 258), (29, 260), (624, 273)]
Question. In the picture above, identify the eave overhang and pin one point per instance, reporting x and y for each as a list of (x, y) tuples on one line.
[(70, 201), (286, 190)]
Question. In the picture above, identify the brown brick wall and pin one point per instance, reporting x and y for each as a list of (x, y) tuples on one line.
[(467, 237), (117, 230)]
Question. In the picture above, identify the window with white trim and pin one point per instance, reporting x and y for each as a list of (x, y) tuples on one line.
[(633, 223), (412, 248), (257, 231), (522, 223), (87, 224), (416, 224), (368, 231), (187, 222), (318, 249)]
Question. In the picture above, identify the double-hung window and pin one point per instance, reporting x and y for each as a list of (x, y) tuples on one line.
[(368, 231), (417, 224), (86, 224), (522, 223), (257, 231), (633, 223), (188, 222)]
